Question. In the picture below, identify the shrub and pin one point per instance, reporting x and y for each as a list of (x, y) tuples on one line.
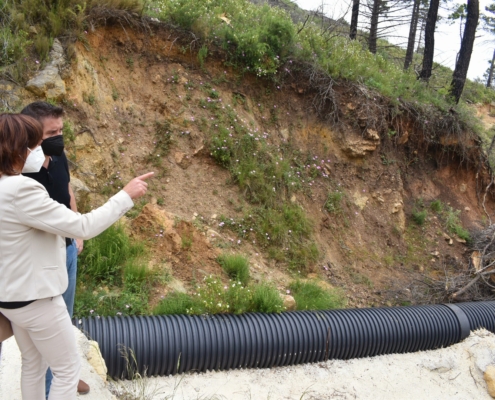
[(334, 202), (310, 296), (419, 217), (436, 205), (266, 299), (236, 266), (454, 224)]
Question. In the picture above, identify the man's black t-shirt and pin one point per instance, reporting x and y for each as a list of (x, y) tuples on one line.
[(56, 180)]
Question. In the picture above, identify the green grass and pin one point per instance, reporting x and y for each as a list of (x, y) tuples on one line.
[(334, 202), (236, 267), (310, 296), (419, 217), (113, 277), (453, 223), (436, 206), (215, 297)]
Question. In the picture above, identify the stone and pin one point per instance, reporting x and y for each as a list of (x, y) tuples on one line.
[(373, 135), (397, 206), (81, 191), (489, 377), (360, 200), (285, 134), (212, 235), (289, 302), (10, 95), (96, 360), (48, 82), (467, 209), (462, 188), (360, 147), (182, 160)]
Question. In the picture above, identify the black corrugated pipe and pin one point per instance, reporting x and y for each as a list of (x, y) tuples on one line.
[(164, 345)]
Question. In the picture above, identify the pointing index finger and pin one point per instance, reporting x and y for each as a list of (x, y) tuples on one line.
[(146, 176)]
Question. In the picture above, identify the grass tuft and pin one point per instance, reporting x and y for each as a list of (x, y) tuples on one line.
[(310, 296)]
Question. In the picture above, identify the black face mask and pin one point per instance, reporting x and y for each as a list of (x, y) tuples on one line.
[(53, 146)]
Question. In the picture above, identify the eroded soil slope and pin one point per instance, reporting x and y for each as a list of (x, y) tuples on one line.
[(129, 89)]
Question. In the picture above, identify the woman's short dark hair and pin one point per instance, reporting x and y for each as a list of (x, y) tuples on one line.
[(17, 133)]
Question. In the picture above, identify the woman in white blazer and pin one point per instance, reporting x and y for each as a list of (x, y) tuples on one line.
[(33, 275)]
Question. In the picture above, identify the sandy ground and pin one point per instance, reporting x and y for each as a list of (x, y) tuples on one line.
[(451, 373)]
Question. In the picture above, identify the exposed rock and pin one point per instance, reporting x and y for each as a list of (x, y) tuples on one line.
[(285, 134), (81, 191), (212, 235), (372, 135), (177, 286), (360, 147), (462, 187), (396, 207), (360, 200), (489, 377), (96, 360), (289, 302), (467, 209), (182, 160), (10, 95), (48, 82)]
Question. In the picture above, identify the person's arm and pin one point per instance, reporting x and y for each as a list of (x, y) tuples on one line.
[(73, 207), (36, 209)]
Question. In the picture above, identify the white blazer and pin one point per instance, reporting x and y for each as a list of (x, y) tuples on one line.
[(33, 228)]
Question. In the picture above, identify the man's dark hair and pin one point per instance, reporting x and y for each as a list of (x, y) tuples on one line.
[(41, 109)]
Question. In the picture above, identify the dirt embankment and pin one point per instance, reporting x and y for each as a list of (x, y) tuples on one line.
[(126, 89)]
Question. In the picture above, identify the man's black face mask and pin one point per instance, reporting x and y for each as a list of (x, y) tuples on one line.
[(53, 146)]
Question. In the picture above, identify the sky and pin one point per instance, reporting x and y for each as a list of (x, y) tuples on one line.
[(447, 38)]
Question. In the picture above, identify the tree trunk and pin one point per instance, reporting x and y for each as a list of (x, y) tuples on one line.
[(374, 26), (421, 30), (462, 64), (431, 21), (354, 19), (490, 74), (412, 34)]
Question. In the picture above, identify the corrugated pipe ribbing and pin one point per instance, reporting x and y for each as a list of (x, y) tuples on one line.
[(164, 345)]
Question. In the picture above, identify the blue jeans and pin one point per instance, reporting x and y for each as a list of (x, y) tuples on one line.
[(68, 296)]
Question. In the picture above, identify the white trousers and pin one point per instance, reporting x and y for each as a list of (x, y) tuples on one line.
[(44, 334)]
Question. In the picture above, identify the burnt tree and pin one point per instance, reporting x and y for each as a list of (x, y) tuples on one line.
[(431, 21), (375, 13), (464, 58), (412, 34), (354, 19)]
